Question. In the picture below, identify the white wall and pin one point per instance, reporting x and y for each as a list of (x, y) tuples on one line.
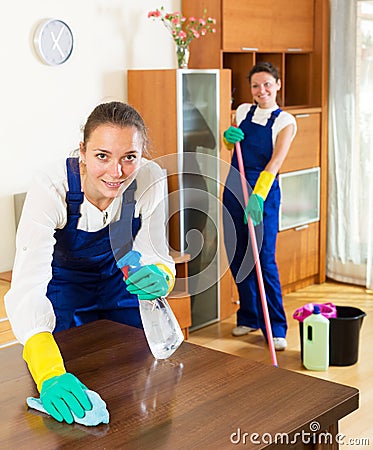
[(42, 108)]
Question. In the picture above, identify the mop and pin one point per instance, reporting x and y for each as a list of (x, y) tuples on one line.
[(256, 258)]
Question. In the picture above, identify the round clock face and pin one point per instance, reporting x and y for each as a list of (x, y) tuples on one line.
[(53, 41)]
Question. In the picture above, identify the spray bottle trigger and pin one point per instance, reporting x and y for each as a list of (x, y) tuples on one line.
[(129, 270), (125, 272)]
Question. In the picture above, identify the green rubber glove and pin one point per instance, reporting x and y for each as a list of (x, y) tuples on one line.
[(62, 394), (233, 134), (254, 207), (148, 283)]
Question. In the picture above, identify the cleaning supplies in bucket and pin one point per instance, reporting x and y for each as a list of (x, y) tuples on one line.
[(328, 310), (344, 331)]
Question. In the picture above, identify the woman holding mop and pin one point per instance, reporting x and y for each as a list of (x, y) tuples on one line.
[(265, 133)]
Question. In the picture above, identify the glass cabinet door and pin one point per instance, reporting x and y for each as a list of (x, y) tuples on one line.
[(300, 198), (198, 140)]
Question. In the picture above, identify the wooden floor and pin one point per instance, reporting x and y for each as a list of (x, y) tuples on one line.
[(357, 425)]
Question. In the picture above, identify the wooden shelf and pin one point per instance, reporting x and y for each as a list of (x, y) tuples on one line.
[(180, 258), (178, 294)]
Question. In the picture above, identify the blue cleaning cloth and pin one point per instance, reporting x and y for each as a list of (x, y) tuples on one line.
[(98, 414)]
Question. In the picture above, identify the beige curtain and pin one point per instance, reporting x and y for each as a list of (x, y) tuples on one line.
[(350, 193)]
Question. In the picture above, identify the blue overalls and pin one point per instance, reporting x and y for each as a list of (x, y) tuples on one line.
[(257, 148), (86, 284)]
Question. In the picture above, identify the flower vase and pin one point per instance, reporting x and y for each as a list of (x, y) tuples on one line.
[(182, 54)]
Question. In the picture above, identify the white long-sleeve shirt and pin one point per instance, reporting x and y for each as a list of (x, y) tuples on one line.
[(261, 115), (44, 211)]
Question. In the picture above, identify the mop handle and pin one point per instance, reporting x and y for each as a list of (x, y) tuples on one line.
[(256, 258)]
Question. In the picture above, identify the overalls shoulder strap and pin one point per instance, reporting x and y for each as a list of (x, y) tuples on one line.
[(273, 117), (128, 201), (74, 195), (250, 114), (121, 232)]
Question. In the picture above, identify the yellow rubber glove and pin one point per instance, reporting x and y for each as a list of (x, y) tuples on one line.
[(43, 358), (263, 184), (228, 145)]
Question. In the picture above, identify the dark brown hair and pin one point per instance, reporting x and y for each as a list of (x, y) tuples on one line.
[(117, 114), (264, 67)]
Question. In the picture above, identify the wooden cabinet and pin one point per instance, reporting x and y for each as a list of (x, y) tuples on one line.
[(294, 36), (228, 290), (304, 152), (276, 25), (298, 256)]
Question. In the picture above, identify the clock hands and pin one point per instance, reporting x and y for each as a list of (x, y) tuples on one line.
[(56, 41)]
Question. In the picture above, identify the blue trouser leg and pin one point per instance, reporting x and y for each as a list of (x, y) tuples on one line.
[(269, 266), (240, 254)]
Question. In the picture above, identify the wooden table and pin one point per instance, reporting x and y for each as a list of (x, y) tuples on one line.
[(199, 399)]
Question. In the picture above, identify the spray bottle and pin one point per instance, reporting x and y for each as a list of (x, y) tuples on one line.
[(161, 327)]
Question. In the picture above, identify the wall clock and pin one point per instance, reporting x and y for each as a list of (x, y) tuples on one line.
[(53, 41)]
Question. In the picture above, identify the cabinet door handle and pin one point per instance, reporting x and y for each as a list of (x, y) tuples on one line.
[(299, 116), (302, 227), (249, 49), (294, 49)]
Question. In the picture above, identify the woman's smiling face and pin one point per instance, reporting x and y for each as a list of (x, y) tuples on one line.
[(264, 88), (110, 156)]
